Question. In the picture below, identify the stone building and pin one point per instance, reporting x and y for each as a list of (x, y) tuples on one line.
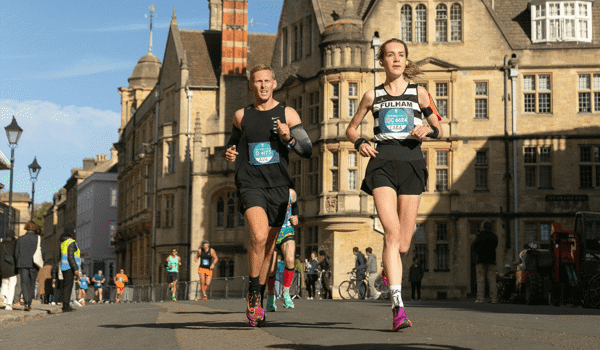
[(64, 203), (97, 222), (175, 121), (507, 76), (21, 204)]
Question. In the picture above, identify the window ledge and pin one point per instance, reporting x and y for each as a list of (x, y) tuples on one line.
[(482, 191), (446, 270)]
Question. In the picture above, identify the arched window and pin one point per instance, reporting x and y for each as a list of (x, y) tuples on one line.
[(455, 23), (220, 212), (240, 218), (406, 23), (441, 23), (230, 212), (421, 24)]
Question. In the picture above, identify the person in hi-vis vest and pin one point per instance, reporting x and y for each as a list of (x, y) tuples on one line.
[(70, 264)]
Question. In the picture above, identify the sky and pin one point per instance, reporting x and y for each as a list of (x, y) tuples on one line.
[(61, 64)]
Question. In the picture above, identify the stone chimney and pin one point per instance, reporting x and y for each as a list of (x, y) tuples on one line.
[(234, 34), (101, 158), (215, 8), (88, 163)]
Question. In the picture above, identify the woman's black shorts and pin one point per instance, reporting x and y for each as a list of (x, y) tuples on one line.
[(402, 169), (273, 200)]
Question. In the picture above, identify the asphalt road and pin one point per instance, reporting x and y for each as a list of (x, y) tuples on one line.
[(313, 324)]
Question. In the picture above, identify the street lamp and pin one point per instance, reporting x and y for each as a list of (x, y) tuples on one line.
[(13, 133), (34, 171)]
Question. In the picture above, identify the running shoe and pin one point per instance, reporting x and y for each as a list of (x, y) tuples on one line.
[(287, 301), (400, 320), (254, 311), (384, 279), (205, 298), (173, 297), (271, 306)]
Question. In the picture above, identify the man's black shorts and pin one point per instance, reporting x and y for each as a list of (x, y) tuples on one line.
[(273, 200), (172, 277)]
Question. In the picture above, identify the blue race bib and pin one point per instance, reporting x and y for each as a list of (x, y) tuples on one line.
[(205, 262), (262, 153), (395, 120)]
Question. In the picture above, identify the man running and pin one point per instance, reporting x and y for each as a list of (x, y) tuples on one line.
[(98, 281), (120, 280), (287, 245), (208, 260), (173, 263), (84, 282), (263, 133)]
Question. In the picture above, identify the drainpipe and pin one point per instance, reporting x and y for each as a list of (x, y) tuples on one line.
[(155, 189), (188, 160), (514, 73), (506, 151)]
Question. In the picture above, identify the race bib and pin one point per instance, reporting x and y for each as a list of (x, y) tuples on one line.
[(262, 153), (395, 120), (205, 262), (120, 279)]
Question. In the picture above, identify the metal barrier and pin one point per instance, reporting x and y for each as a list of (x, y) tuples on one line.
[(220, 288)]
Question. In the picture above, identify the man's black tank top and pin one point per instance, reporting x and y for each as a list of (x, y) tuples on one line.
[(205, 259), (262, 160)]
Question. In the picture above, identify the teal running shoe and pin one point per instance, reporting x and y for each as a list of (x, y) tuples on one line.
[(287, 301), (271, 306)]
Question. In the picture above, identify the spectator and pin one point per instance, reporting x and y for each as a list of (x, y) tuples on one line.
[(8, 269), (24, 251), (360, 263), (485, 247), (70, 264), (415, 275), (44, 282), (298, 278), (279, 276), (325, 267), (372, 273), (311, 274)]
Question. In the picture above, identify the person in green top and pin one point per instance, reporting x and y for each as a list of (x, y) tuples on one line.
[(173, 262)]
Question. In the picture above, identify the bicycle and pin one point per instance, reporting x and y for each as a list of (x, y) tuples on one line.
[(349, 290)]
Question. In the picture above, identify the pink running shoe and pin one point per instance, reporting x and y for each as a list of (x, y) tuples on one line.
[(254, 311), (400, 320), (384, 279)]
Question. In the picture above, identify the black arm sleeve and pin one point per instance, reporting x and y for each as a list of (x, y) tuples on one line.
[(302, 145), (295, 210), (234, 139), (71, 249)]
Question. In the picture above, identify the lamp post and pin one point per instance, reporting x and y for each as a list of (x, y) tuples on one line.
[(13, 133), (34, 171), (375, 43)]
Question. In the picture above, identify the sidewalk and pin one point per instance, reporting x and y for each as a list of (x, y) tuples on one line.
[(17, 314)]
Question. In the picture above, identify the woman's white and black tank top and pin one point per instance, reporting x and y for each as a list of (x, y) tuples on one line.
[(205, 259), (262, 160), (396, 116)]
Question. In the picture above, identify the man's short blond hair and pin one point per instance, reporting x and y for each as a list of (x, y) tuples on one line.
[(261, 67)]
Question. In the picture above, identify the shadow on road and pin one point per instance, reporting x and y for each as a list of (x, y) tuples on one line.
[(241, 325), (370, 346), (503, 308), (205, 312)]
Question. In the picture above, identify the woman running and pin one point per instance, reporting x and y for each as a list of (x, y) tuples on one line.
[(396, 174)]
